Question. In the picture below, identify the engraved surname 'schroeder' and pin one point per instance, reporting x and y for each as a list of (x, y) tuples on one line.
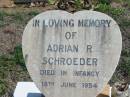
[(69, 61)]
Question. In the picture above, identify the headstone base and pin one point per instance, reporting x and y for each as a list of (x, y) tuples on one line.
[(29, 89)]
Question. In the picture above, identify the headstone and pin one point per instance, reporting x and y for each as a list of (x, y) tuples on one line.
[(26, 89), (71, 55)]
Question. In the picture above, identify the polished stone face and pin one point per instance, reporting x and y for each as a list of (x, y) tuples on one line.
[(71, 55)]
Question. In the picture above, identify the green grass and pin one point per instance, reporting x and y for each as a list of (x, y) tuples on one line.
[(104, 1), (16, 17), (2, 15), (9, 64), (114, 12), (33, 13), (51, 1), (18, 56), (6, 63), (125, 23), (3, 87), (78, 4)]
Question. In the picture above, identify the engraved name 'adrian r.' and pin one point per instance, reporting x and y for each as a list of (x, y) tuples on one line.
[(71, 23)]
